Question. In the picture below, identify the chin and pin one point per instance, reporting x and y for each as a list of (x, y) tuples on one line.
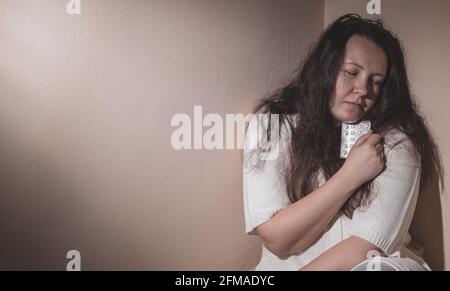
[(347, 117)]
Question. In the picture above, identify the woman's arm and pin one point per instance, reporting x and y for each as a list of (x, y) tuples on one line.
[(294, 228), (343, 256)]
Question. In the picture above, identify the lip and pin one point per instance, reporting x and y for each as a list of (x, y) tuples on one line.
[(354, 104)]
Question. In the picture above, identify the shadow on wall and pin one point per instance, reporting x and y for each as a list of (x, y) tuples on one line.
[(38, 212), (43, 215), (427, 228), (47, 207)]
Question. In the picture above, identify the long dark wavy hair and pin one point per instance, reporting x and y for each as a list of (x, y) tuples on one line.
[(315, 139)]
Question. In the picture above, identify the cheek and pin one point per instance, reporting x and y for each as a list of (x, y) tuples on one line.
[(376, 92), (342, 89), (370, 103)]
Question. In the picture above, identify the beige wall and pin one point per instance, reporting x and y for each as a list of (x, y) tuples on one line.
[(85, 109), (423, 27)]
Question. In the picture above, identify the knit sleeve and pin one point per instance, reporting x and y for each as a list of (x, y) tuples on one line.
[(263, 181), (386, 220)]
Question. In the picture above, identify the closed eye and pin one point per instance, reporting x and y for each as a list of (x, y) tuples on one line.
[(351, 73), (377, 83)]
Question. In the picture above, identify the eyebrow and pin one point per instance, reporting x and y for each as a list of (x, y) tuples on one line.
[(362, 68)]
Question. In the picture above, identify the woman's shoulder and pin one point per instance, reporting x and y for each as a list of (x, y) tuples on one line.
[(399, 148), (395, 137), (279, 125), (269, 134), (268, 144)]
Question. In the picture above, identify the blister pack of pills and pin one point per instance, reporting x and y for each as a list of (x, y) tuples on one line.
[(350, 134)]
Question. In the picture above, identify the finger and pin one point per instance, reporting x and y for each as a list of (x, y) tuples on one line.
[(374, 139), (363, 138), (380, 148)]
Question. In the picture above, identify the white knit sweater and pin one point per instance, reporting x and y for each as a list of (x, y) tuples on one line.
[(384, 223)]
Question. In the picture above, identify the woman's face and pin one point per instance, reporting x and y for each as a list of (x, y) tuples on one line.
[(359, 81)]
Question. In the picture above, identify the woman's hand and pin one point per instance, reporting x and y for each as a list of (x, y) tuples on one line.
[(366, 159)]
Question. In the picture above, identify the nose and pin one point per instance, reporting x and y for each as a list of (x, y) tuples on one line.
[(360, 88)]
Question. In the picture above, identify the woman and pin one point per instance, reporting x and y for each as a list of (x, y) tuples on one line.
[(314, 210)]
